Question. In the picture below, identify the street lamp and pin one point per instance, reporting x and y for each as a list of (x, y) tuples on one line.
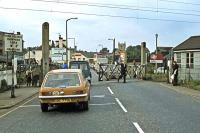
[(113, 49), (67, 38)]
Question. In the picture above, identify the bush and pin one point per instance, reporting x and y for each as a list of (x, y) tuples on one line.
[(157, 77), (4, 85)]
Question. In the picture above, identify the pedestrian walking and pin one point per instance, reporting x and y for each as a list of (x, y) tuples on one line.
[(35, 76), (123, 72), (28, 78), (175, 73)]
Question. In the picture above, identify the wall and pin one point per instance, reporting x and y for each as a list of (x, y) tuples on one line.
[(189, 73), (7, 75)]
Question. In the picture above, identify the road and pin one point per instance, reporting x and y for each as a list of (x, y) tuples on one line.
[(136, 106)]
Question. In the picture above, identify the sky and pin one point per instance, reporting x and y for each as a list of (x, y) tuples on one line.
[(130, 21)]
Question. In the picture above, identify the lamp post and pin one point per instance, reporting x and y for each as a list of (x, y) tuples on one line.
[(67, 40), (113, 49)]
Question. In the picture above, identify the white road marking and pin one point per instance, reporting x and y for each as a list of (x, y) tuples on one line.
[(25, 106), (99, 96), (110, 90), (17, 107), (138, 127), (102, 104), (120, 104)]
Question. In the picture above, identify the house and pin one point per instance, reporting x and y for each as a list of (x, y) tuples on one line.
[(164, 50), (79, 57), (187, 56), (34, 56)]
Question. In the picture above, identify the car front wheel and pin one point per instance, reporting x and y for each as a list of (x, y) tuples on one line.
[(44, 107)]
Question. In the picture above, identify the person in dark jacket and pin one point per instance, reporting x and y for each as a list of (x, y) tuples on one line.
[(123, 72), (175, 72), (28, 78)]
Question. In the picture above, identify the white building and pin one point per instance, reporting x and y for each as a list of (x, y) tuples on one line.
[(33, 55), (187, 55)]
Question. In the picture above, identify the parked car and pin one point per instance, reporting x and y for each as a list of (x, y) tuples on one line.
[(159, 70), (63, 86), (84, 66)]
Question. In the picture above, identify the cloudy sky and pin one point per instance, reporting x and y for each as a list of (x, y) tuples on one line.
[(130, 21)]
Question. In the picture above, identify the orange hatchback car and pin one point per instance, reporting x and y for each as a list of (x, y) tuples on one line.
[(63, 86)]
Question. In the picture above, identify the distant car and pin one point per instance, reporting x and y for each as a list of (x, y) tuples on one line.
[(159, 70), (63, 86), (84, 66)]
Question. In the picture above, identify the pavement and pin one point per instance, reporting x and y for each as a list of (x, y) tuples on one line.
[(22, 94), (183, 90)]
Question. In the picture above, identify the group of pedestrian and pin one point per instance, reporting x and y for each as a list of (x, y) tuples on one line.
[(32, 77), (175, 67)]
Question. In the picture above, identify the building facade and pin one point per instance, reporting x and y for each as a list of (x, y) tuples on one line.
[(187, 56)]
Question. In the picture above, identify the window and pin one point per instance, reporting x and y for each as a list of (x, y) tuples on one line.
[(178, 59), (62, 80), (190, 60)]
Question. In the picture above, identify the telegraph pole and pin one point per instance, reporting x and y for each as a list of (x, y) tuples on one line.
[(13, 86), (156, 49)]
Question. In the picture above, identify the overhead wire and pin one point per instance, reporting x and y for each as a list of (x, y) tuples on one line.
[(122, 7), (93, 14), (180, 2)]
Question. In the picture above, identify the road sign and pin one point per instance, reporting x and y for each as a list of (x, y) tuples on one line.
[(156, 61), (13, 42)]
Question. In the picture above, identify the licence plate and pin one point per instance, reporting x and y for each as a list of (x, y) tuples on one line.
[(63, 100)]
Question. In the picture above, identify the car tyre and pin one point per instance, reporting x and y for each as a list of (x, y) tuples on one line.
[(44, 107), (85, 105)]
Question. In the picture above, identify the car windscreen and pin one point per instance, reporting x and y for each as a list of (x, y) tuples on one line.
[(62, 80)]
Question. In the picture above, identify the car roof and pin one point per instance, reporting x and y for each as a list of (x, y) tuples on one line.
[(66, 70)]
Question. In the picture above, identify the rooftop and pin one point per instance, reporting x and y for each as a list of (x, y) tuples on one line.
[(192, 43)]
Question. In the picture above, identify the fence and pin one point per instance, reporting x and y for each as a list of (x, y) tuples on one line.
[(110, 71)]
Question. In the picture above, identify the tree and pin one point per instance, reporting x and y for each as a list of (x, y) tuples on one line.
[(104, 50), (133, 53)]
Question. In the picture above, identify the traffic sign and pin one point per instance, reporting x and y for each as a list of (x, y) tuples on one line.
[(13, 42)]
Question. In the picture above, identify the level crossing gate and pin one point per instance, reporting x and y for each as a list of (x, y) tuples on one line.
[(111, 71)]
